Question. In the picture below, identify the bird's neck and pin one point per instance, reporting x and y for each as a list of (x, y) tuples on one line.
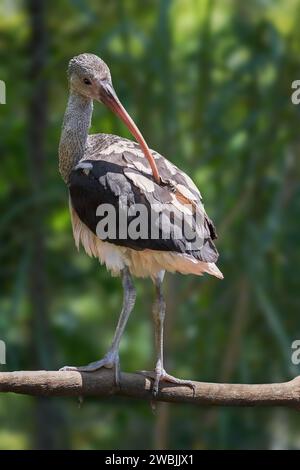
[(75, 129)]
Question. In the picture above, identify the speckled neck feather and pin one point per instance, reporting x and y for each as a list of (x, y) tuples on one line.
[(76, 124)]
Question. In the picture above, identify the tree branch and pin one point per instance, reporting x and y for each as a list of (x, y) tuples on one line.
[(101, 384)]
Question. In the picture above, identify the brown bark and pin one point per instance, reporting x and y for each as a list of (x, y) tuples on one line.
[(100, 384)]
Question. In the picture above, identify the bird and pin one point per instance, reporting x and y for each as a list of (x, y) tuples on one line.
[(104, 171)]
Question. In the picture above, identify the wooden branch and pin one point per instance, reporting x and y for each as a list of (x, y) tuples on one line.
[(101, 384)]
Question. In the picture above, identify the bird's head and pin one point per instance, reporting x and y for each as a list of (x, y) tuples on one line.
[(90, 77)]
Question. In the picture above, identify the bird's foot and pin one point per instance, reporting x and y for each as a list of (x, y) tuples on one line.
[(109, 361), (160, 375)]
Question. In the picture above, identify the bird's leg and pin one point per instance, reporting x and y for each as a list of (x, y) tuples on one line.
[(158, 312), (111, 358)]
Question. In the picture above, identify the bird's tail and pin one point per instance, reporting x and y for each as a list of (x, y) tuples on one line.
[(212, 269)]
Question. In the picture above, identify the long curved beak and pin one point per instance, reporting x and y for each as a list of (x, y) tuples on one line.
[(109, 97)]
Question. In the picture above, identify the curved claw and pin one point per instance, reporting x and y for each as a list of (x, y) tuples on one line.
[(161, 375), (110, 361)]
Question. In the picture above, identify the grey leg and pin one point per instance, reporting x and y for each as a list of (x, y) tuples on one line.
[(111, 358), (158, 315), (158, 312)]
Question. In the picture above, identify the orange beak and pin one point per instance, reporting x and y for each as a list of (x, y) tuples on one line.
[(109, 97)]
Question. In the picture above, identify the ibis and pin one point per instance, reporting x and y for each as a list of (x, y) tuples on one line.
[(103, 172)]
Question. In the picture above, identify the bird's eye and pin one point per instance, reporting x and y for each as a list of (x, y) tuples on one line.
[(87, 81)]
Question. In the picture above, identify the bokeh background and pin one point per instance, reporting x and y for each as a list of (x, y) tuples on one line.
[(209, 84)]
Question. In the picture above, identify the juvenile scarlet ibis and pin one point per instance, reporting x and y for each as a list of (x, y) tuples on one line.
[(104, 170)]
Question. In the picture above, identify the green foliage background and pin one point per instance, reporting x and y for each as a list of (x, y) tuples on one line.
[(209, 84)]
